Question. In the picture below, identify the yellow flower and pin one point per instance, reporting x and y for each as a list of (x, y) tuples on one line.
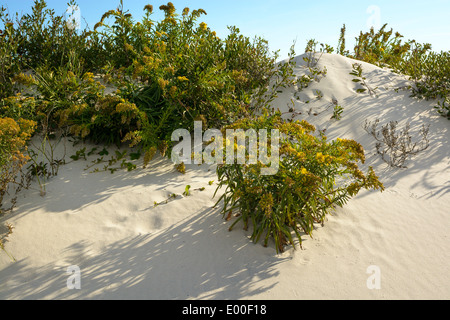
[(181, 168), (300, 156), (203, 26), (149, 8), (24, 79), (85, 132), (183, 79), (149, 155), (324, 159), (266, 203), (320, 157), (163, 83), (124, 107), (170, 69), (173, 91), (134, 137)]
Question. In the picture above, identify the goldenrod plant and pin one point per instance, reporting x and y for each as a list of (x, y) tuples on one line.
[(305, 189), (13, 143), (382, 48)]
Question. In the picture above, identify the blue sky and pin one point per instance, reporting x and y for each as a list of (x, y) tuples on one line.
[(283, 21)]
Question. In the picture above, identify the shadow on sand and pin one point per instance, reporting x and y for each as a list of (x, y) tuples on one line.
[(195, 259)]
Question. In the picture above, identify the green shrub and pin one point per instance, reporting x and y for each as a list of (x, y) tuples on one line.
[(381, 48), (430, 71), (177, 71), (47, 39), (9, 46), (168, 74), (443, 108), (433, 76), (314, 176)]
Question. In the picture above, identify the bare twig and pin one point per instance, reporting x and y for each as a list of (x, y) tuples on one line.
[(395, 148)]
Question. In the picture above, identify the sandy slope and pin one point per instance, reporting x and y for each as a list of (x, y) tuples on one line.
[(127, 249)]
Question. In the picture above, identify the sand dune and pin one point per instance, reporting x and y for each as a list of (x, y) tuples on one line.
[(126, 248)]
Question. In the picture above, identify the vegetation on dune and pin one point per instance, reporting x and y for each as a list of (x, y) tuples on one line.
[(428, 70), (308, 185), (165, 75)]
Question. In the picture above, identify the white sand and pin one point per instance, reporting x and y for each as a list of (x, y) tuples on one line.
[(106, 224)]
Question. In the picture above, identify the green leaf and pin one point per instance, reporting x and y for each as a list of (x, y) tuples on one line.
[(135, 156), (104, 152), (186, 191)]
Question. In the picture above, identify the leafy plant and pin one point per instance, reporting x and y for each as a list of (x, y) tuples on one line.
[(186, 192), (305, 189), (432, 80), (311, 49), (9, 51), (357, 72), (176, 71), (382, 48), (79, 154), (304, 81), (19, 107), (341, 44), (319, 94), (338, 110), (443, 108)]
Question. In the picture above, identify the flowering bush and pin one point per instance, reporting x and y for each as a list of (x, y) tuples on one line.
[(18, 107), (381, 48), (13, 138), (177, 71), (314, 177)]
